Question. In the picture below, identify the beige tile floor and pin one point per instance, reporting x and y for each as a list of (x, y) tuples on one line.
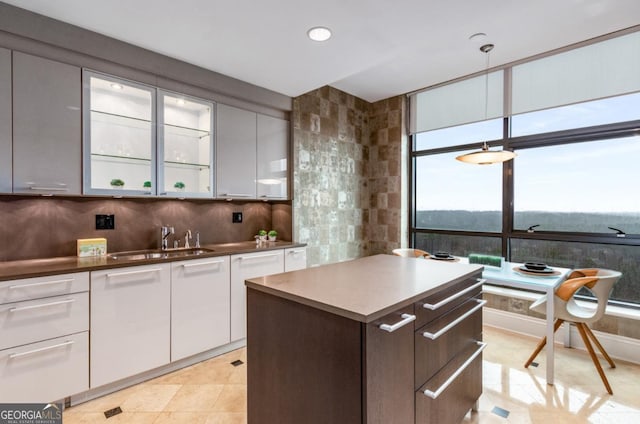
[(214, 391)]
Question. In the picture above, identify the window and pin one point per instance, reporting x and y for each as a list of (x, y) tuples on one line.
[(461, 134), (574, 120), (451, 195), (579, 187), (587, 255), (580, 115), (461, 245)]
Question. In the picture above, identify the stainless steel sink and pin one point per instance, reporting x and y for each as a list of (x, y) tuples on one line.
[(138, 255)]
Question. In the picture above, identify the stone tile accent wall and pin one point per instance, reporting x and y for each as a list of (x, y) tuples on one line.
[(387, 220), (346, 175), (330, 167)]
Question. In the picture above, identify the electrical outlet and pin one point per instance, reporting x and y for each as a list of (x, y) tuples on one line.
[(105, 222), (236, 217)]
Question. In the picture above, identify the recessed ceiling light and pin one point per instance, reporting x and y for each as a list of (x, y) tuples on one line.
[(319, 33), (116, 86), (180, 102)]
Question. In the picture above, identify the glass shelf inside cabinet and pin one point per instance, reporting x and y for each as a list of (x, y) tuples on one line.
[(123, 120), (180, 131)]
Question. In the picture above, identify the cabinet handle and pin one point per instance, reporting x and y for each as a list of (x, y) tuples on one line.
[(295, 252), (406, 319), (258, 256), (271, 196), (455, 322), (236, 195), (42, 349), (203, 263), (42, 305), (438, 392), (43, 283), (145, 271), (48, 188), (440, 304)]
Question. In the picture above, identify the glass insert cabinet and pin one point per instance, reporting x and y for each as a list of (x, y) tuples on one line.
[(139, 140)]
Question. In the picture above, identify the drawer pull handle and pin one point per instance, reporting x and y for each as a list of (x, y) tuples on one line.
[(42, 349), (241, 258), (434, 395), (406, 319), (202, 264), (235, 194), (43, 283), (440, 304), (295, 252), (145, 271), (48, 188), (42, 305), (455, 322)]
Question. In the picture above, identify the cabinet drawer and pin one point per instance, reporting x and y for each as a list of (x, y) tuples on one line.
[(441, 340), (35, 288), (453, 391), (45, 371), (41, 319), (444, 301)]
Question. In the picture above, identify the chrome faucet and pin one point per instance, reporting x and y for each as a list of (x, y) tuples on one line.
[(187, 237), (165, 232), (197, 240)]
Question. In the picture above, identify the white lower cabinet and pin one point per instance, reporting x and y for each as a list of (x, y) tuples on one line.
[(244, 266), (44, 342), (130, 321), (45, 371), (295, 259), (200, 311)]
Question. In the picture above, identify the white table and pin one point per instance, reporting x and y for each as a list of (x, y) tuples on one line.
[(506, 276)]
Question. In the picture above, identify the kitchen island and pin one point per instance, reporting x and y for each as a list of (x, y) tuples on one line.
[(381, 339)]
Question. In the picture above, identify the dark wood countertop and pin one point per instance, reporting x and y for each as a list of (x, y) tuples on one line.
[(365, 289), (12, 270)]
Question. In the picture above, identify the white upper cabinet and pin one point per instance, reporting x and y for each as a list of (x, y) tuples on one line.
[(272, 150), (252, 155), (46, 126), (185, 146), (5, 122), (119, 136), (235, 153)]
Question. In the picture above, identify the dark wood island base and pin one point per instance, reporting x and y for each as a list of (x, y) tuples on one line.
[(348, 356)]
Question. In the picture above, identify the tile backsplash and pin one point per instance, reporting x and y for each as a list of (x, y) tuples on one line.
[(41, 227)]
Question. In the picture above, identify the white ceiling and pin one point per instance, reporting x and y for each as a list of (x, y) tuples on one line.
[(380, 48)]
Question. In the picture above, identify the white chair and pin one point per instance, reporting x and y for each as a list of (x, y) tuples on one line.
[(599, 282), (410, 253)]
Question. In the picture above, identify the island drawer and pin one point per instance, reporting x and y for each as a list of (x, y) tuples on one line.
[(34, 320), (35, 288), (442, 339), (451, 393), (436, 305)]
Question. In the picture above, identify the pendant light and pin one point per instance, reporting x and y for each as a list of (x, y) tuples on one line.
[(485, 156)]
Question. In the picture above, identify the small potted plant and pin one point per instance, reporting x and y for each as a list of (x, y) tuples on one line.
[(272, 235), (146, 184), (262, 234), (179, 185), (117, 183)]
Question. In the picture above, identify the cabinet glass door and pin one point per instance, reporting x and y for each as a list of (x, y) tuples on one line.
[(185, 146), (119, 133)]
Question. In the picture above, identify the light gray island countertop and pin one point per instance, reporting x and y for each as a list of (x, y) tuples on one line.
[(365, 289)]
